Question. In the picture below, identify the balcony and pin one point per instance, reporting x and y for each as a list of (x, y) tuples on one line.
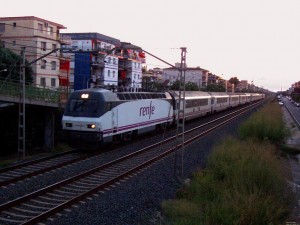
[(97, 64), (64, 39)]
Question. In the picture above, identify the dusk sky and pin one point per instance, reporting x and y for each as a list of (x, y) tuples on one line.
[(257, 40)]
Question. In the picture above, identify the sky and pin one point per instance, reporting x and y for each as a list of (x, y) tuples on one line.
[(254, 40)]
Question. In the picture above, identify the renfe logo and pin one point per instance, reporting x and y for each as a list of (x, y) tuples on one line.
[(149, 110)]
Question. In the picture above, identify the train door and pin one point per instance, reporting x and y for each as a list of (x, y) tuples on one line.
[(212, 104), (114, 121)]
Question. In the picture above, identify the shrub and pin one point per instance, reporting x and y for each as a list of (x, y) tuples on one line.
[(242, 184), (266, 124)]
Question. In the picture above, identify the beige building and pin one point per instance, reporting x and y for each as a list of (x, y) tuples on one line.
[(39, 37), (192, 74)]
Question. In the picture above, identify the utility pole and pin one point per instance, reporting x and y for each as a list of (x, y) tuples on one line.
[(22, 114), (178, 161), (21, 127)]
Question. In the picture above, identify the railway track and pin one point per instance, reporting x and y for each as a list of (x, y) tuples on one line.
[(39, 205), (32, 168)]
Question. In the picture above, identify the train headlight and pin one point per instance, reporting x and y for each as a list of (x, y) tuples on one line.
[(91, 126), (68, 124)]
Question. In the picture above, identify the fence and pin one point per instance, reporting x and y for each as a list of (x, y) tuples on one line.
[(12, 88)]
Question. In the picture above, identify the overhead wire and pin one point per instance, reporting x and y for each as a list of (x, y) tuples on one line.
[(35, 42)]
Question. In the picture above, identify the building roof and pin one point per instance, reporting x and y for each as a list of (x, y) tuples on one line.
[(32, 18), (94, 35), (188, 68)]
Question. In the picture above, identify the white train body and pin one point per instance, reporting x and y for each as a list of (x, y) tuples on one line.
[(98, 115)]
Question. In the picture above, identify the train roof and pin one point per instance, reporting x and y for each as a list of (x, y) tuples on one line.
[(110, 96), (221, 94), (191, 94), (107, 94)]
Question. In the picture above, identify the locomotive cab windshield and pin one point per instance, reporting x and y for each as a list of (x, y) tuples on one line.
[(85, 104)]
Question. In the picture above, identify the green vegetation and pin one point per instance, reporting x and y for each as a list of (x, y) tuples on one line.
[(267, 124), (189, 86), (243, 182), (11, 62)]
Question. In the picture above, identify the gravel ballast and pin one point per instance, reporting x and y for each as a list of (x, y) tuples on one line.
[(137, 200)]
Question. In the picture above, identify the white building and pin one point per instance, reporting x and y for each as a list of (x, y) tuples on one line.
[(192, 74), (108, 63)]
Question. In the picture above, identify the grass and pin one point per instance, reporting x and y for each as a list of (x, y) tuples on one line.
[(266, 124), (243, 183)]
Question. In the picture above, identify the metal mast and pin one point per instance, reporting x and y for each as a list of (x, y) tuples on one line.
[(21, 127), (178, 164)]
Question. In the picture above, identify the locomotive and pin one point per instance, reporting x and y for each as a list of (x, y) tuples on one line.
[(97, 115)]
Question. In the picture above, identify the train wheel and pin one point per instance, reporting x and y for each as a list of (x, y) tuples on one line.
[(116, 139), (127, 136), (162, 127)]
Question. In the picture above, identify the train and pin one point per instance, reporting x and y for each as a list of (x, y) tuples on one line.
[(97, 115)]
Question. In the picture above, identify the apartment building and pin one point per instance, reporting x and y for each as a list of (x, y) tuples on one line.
[(192, 74), (39, 37), (97, 59)]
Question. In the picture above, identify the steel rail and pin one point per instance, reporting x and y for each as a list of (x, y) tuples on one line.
[(110, 164)]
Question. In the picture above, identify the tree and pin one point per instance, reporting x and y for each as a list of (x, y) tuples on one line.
[(217, 87), (189, 86), (234, 80), (11, 62)]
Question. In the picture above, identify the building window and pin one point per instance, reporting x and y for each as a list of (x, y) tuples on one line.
[(114, 61), (53, 82), (108, 73), (2, 27), (43, 64), (14, 25), (43, 81), (109, 60), (14, 43), (50, 30), (53, 46), (40, 27), (53, 65), (43, 46), (114, 72)]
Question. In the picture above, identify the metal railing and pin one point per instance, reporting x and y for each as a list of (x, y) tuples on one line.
[(11, 88)]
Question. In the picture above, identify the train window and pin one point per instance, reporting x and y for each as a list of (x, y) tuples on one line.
[(127, 96), (153, 95), (222, 100), (133, 96), (195, 103), (203, 102), (121, 96), (89, 106), (108, 106), (138, 96), (189, 103)]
